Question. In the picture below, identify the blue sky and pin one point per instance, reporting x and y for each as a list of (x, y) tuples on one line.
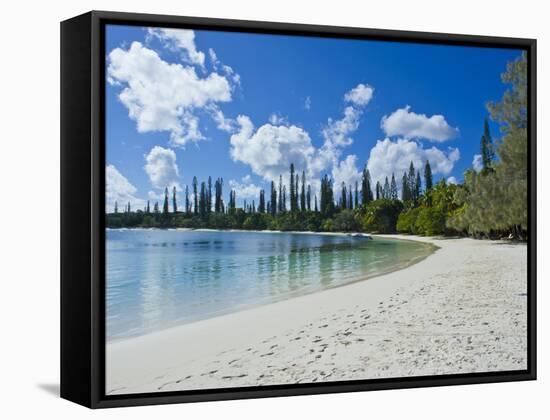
[(241, 106)]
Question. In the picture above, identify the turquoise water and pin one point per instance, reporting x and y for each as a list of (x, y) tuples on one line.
[(161, 278)]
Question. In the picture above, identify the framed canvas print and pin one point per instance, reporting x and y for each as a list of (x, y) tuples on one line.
[(256, 209)]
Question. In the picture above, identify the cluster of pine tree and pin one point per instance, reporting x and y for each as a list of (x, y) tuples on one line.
[(493, 202), (356, 209)]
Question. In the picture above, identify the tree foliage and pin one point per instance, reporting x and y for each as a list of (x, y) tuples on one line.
[(381, 216), (430, 216), (494, 203)]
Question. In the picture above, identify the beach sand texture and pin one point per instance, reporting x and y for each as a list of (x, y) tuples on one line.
[(461, 310)]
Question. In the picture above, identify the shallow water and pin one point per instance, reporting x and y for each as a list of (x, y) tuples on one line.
[(161, 278)]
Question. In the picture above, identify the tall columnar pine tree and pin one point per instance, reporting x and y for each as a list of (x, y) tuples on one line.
[(428, 180), (209, 196), (174, 202), (222, 204), (308, 197), (366, 190), (156, 208), (218, 193), (232, 202), (281, 199), (343, 196), (284, 199), (303, 192), (187, 204), (203, 200), (273, 204), (316, 209), (393, 188), (148, 208), (330, 197), (350, 199), (356, 203), (405, 193), (378, 190), (326, 203), (116, 207), (195, 195), (296, 189), (487, 148), (411, 180), (261, 205), (417, 186), (292, 188), (386, 190), (165, 205)]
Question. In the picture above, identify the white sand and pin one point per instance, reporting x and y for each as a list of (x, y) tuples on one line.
[(461, 310)]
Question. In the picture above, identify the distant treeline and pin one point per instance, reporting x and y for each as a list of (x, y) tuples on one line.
[(491, 203), (204, 206)]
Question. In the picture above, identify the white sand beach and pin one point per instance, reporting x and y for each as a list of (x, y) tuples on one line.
[(461, 310)]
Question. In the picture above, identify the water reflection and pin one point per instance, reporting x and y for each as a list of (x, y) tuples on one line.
[(157, 279)]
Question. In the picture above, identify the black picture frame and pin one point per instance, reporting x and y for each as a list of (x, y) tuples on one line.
[(83, 203)]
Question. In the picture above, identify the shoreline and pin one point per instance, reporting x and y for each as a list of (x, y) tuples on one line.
[(295, 232), (360, 330), (291, 296)]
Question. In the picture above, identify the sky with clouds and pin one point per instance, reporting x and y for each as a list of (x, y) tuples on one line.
[(184, 103)]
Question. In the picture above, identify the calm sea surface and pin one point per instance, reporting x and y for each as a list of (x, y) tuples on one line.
[(161, 278)]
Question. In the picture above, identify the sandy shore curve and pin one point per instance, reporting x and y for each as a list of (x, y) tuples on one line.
[(463, 309)]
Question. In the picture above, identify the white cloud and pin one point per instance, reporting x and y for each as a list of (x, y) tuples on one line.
[(477, 163), (161, 96), (161, 168), (271, 149), (452, 180), (245, 189), (180, 39), (213, 57), (232, 75), (229, 125), (360, 95), (120, 190), (336, 135), (388, 157), (307, 103), (224, 68), (404, 122), (346, 171), (277, 119), (155, 195), (337, 132)]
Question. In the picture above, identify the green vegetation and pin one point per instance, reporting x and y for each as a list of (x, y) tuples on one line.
[(354, 211), (381, 215), (493, 203), (429, 216), (488, 204)]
